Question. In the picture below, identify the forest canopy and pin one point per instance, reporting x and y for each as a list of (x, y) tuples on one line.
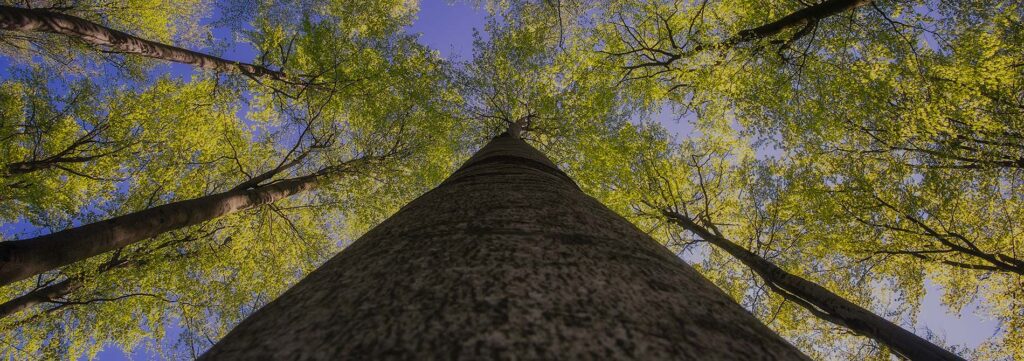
[(169, 167)]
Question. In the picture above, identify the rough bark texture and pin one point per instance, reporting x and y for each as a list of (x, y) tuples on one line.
[(19, 19), (822, 302), (26, 258), (507, 259)]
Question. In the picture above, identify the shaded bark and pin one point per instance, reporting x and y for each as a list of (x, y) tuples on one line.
[(805, 19), (25, 258), (820, 301), (38, 20), (799, 18), (506, 259), (72, 154), (265, 176), (30, 166), (39, 296), (52, 293)]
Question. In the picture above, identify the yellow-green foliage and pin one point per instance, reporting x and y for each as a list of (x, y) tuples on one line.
[(827, 152), (880, 112), (170, 22)]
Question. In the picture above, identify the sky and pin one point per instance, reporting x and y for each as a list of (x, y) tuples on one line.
[(448, 28)]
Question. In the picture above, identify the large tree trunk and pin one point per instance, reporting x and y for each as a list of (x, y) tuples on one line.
[(26, 258), (19, 19), (506, 259), (822, 302)]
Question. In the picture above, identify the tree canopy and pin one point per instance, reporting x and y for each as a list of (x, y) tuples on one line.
[(872, 148)]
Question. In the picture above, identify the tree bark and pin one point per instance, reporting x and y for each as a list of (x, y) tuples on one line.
[(42, 295), (25, 167), (506, 259), (820, 301), (795, 19), (26, 258), (806, 18), (53, 292), (20, 19)]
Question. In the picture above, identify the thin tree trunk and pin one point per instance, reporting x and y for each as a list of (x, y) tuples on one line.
[(26, 167), (26, 258), (38, 20), (802, 17), (42, 295), (805, 19), (70, 155), (53, 292), (506, 259), (820, 301)]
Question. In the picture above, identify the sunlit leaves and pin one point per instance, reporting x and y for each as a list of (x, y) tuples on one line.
[(173, 22), (829, 149), (889, 119)]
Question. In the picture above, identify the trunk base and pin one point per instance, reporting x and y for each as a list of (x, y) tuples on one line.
[(506, 259)]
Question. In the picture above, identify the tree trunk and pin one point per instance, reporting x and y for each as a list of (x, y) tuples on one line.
[(26, 258), (18, 168), (822, 302), (802, 17), (806, 19), (42, 295), (506, 259), (19, 19), (53, 292)]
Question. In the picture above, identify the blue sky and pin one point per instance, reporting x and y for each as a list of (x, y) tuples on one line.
[(448, 28)]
